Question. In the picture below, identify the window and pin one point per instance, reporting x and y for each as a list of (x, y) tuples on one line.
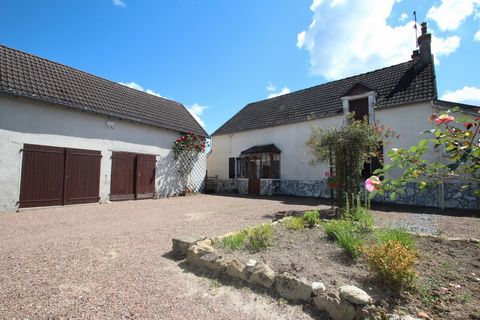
[(359, 107), (374, 163), (263, 166)]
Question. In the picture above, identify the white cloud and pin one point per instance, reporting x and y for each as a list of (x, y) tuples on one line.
[(136, 86), (450, 14), (119, 3), (271, 88), (476, 37), (351, 37), (468, 95), (403, 17), (196, 111)]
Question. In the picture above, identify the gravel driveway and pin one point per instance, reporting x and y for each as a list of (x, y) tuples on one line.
[(107, 261)]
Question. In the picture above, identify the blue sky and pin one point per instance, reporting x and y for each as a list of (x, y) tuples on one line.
[(217, 56)]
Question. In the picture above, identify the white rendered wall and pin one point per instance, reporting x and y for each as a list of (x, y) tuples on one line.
[(408, 121), (290, 139), (26, 121)]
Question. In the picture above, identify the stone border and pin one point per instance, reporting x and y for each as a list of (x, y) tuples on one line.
[(344, 303)]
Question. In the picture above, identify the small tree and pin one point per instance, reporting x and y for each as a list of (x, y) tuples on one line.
[(346, 149), (456, 137)]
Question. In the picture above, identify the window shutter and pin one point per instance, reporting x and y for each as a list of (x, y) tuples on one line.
[(231, 168)]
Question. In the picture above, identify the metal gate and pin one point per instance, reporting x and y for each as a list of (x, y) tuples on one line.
[(133, 176), (58, 176)]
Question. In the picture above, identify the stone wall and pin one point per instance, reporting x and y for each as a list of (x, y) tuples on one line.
[(432, 197)]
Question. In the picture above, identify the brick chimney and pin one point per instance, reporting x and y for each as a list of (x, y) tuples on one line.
[(424, 46)]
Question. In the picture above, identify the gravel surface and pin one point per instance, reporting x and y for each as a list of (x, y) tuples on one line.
[(108, 261)]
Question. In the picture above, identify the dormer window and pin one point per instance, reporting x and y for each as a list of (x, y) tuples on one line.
[(360, 100)]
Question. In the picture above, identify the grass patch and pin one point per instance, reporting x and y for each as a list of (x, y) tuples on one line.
[(311, 218), (293, 223), (350, 241), (259, 237), (401, 235), (235, 241)]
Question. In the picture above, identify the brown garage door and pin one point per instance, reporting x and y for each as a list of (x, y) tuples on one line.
[(59, 176), (82, 176), (133, 176)]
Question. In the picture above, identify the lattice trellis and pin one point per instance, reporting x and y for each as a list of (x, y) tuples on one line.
[(190, 170)]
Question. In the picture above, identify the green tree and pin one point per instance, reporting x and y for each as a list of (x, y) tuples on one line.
[(346, 149)]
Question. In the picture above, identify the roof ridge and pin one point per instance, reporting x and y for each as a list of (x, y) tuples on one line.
[(332, 82), (84, 72)]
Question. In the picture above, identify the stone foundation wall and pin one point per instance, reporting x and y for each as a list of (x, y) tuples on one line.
[(432, 197)]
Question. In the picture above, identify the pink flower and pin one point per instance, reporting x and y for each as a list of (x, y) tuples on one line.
[(372, 183), (444, 118), (327, 173)]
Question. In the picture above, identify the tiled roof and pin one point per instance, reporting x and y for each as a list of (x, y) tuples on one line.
[(29, 76), (404, 83), (450, 104), (266, 148)]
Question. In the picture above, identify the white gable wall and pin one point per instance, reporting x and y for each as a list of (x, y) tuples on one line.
[(26, 121), (408, 121)]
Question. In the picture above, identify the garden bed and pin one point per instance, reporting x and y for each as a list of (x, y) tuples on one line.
[(448, 285)]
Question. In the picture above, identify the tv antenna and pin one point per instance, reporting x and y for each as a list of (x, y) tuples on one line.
[(415, 27)]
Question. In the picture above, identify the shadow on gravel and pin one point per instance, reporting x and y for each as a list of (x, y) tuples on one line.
[(218, 279), (315, 202)]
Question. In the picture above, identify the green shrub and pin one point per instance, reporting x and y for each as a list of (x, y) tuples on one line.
[(311, 218), (392, 262), (235, 241), (363, 219), (334, 226), (401, 235), (293, 223), (350, 241), (259, 237)]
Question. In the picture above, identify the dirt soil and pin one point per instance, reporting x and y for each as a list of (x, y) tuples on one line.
[(310, 254)]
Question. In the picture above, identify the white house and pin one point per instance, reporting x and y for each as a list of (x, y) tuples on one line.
[(261, 149), (68, 137)]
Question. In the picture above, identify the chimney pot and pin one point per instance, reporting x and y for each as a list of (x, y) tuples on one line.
[(424, 28), (424, 41)]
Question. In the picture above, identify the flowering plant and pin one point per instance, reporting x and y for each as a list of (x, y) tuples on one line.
[(455, 136), (189, 142)]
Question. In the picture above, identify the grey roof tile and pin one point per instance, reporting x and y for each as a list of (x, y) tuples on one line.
[(407, 82), (29, 76)]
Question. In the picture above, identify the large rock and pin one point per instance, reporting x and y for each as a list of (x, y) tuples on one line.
[(195, 252), (318, 288), (404, 317), (337, 308), (292, 288), (260, 273), (236, 269), (355, 295), (180, 246), (214, 262)]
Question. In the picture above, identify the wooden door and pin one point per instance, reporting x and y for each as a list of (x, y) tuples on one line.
[(82, 176), (42, 176), (122, 186), (254, 176), (145, 180)]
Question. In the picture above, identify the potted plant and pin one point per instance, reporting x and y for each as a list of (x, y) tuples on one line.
[(331, 181)]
